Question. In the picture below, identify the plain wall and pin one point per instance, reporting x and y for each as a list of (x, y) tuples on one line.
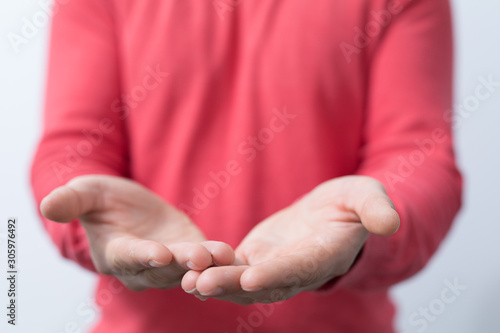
[(56, 295)]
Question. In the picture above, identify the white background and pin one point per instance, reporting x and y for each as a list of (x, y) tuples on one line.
[(53, 291)]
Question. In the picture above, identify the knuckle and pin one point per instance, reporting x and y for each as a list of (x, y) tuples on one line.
[(119, 267), (156, 280)]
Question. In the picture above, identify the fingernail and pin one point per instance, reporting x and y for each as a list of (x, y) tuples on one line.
[(216, 292), (192, 291), (154, 263), (192, 266), (201, 298)]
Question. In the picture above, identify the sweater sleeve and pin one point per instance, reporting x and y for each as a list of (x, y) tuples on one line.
[(82, 132), (408, 143)]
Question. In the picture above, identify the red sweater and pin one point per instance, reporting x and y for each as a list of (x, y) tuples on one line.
[(231, 110)]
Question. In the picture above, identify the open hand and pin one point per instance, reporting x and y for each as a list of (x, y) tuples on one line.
[(301, 247), (133, 234)]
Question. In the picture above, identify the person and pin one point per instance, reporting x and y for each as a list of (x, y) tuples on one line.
[(255, 155)]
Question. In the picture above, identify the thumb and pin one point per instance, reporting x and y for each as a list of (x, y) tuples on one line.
[(378, 215), (367, 198), (80, 196)]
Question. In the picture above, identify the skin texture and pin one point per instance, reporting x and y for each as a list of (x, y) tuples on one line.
[(133, 234), (146, 243), (301, 247)]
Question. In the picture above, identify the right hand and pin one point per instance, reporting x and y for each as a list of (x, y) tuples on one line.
[(133, 234)]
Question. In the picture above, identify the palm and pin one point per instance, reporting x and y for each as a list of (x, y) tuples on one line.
[(131, 210), (133, 234), (302, 246), (295, 233)]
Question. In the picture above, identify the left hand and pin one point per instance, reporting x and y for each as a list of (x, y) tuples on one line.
[(301, 247)]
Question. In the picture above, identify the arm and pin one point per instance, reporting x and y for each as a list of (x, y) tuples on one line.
[(108, 224), (409, 146), (407, 163), (81, 134)]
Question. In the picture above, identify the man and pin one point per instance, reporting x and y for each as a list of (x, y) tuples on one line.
[(172, 128)]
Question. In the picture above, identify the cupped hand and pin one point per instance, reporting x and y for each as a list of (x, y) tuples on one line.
[(301, 247), (133, 234)]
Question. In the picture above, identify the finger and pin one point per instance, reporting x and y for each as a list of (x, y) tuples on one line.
[(191, 255), (218, 281), (228, 288), (163, 278), (222, 253), (80, 196), (124, 256), (170, 275), (248, 298), (188, 282), (378, 215), (291, 272), (369, 200)]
